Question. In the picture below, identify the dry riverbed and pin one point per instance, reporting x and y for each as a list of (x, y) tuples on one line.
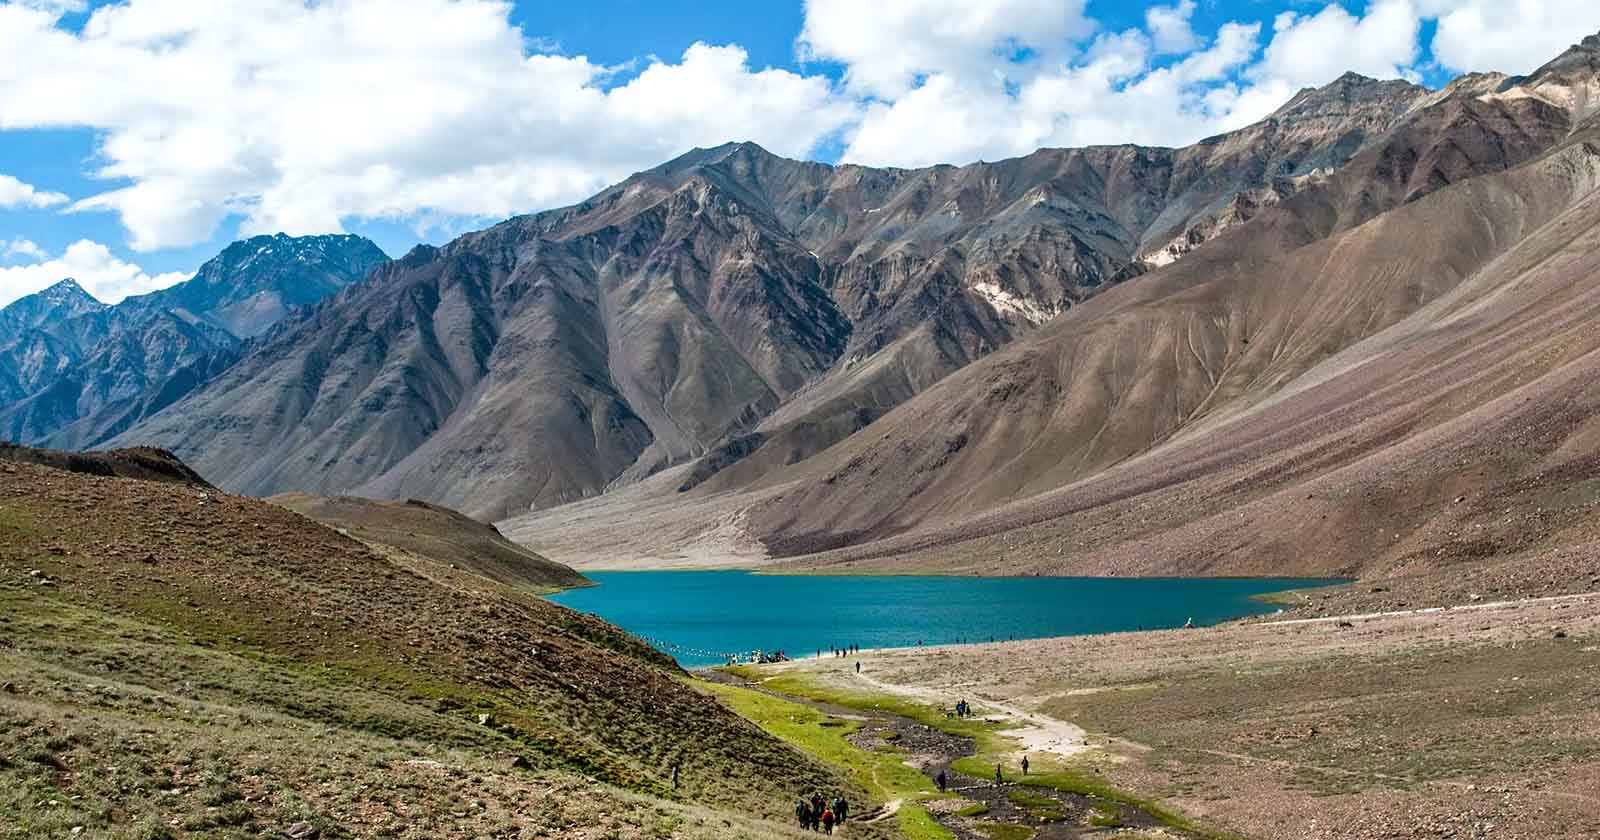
[(1479, 721)]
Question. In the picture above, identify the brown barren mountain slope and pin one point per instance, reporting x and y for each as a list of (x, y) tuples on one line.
[(149, 628), (728, 305), (1461, 432), (1186, 349), (1181, 422), (437, 534)]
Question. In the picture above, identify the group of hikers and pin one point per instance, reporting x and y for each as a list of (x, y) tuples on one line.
[(963, 709), (840, 652), (817, 814)]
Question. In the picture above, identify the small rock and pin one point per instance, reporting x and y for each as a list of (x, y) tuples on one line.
[(486, 720), (302, 831), (77, 830), (1561, 634), (9, 688), (1460, 499), (517, 762), (1346, 625)]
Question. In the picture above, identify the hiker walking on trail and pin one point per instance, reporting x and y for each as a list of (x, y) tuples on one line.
[(1024, 765), (841, 809), (816, 809), (802, 814), (827, 821), (858, 667), (940, 781), (999, 778), (674, 777)]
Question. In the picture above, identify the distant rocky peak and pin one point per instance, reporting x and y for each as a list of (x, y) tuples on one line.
[(65, 299), (1350, 92), (69, 293)]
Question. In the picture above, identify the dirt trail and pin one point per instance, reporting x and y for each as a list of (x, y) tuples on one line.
[(1033, 732), (971, 807)]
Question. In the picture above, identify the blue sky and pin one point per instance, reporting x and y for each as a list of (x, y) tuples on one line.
[(137, 145)]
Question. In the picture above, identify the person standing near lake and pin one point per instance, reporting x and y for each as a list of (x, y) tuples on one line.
[(940, 781), (1024, 765), (999, 778), (858, 667)]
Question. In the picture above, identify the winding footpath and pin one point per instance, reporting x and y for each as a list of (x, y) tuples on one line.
[(1033, 731)]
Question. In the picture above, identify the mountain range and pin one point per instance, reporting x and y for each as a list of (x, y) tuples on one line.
[(75, 372), (1113, 358), (726, 302)]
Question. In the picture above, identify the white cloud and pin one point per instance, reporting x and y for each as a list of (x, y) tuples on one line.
[(1512, 36), (886, 46), (297, 114), (1169, 27), (16, 194), (92, 264), (56, 7), (1310, 50), (20, 249), (1111, 94)]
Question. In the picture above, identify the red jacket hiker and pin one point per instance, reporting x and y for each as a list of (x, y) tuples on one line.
[(827, 820)]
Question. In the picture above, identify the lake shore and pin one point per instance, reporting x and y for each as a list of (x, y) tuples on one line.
[(1464, 722)]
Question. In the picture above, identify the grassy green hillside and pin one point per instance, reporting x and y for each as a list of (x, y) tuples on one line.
[(178, 662)]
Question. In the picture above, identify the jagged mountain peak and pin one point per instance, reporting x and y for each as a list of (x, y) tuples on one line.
[(254, 282), (68, 291), (64, 295), (1351, 91), (61, 302), (74, 370)]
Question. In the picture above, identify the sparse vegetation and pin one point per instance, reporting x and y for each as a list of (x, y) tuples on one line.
[(176, 662)]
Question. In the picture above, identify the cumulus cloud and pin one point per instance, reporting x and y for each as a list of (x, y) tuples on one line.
[(1113, 91), (92, 264), (1163, 84), (1313, 49), (887, 46), (20, 249), (296, 115), (16, 194), (1512, 37), (1169, 27)]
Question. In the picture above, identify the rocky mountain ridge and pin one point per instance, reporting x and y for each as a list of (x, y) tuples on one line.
[(1312, 391), (74, 372), (727, 299)]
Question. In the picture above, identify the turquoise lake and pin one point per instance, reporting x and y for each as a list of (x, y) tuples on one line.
[(702, 617)]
